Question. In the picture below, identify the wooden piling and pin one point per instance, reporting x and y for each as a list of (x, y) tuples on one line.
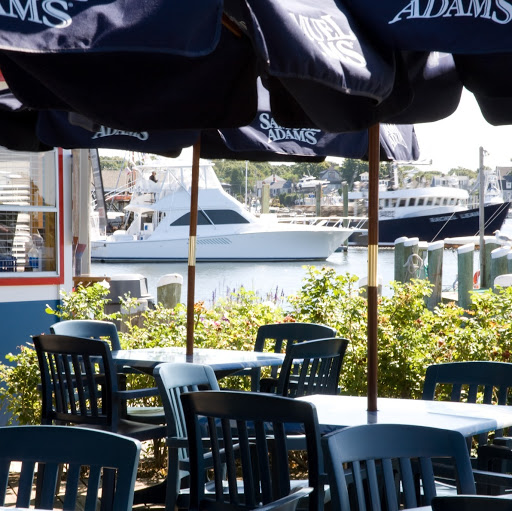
[(499, 263), (318, 200), (435, 273), (410, 251), (344, 189), (265, 198), (509, 262), (422, 252), (485, 278), (465, 274), (168, 290), (399, 259)]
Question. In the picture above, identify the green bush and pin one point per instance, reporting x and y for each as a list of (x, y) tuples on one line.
[(19, 393), (410, 337)]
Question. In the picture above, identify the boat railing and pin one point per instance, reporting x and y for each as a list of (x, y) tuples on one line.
[(357, 223)]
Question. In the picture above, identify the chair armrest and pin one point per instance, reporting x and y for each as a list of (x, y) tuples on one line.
[(492, 478), (268, 385), (137, 393), (288, 503)]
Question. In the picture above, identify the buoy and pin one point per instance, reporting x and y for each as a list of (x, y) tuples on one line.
[(476, 280)]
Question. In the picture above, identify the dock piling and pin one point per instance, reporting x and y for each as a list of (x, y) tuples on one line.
[(168, 290), (435, 273), (499, 263), (465, 274)]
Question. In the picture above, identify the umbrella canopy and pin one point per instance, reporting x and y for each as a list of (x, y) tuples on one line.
[(161, 67), (261, 140), (335, 65)]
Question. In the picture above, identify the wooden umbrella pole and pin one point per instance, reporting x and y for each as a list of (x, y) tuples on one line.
[(191, 282), (373, 243)]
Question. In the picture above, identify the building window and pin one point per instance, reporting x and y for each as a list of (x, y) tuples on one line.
[(29, 214)]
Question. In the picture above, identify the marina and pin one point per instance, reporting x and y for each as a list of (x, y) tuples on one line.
[(270, 280), (226, 231)]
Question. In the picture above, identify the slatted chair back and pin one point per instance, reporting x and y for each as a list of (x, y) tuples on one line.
[(311, 367), (174, 380), (91, 328), (249, 450), (106, 330), (471, 503), (369, 464), (278, 337), (78, 381), (479, 381), (85, 454), (79, 386)]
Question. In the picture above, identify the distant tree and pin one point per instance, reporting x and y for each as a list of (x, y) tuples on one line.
[(462, 171), (113, 162)]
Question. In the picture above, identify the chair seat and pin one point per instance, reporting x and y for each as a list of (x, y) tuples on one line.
[(140, 430), (147, 414)]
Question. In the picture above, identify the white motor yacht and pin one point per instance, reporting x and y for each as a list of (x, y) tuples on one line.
[(226, 230)]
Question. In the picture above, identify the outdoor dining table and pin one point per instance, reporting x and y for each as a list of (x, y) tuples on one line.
[(223, 362), (466, 418)]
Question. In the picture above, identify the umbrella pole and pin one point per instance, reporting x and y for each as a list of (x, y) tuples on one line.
[(373, 243), (191, 281)]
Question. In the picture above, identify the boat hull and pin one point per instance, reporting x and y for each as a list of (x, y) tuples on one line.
[(437, 227), (279, 245)]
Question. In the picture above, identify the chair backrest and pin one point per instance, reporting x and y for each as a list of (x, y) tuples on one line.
[(172, 381), (246, 432), (368, 463), (312, 367), (78, 379), (471, 503), (77, 448), (92, 328), (490, 382)]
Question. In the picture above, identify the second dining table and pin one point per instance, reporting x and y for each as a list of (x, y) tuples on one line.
[(466, 418), (223, 362)]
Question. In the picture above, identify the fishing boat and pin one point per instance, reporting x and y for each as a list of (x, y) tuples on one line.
[(430, 214), (159, 224)]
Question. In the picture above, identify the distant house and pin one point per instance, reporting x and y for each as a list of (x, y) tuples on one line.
[(334, 177), (278, 185), (505, 174), (453, 181)]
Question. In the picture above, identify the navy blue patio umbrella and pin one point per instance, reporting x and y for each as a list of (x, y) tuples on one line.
[(193, 65)]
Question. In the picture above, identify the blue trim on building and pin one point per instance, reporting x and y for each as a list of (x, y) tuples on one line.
[(20, 320)]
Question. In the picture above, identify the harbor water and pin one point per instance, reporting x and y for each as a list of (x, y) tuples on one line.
[(216, 280)]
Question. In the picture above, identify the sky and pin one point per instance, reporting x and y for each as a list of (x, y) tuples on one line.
[(455, 141)]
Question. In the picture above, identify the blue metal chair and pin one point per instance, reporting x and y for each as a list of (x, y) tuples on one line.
[(77, 448), (371, 464), (106, 330), (278, 337), (249, 451), (311, 367), (174, 380), (483, 381), (92, 328), (489, 382)]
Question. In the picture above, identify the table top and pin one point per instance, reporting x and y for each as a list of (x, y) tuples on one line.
[(221, 361), (467, 418)]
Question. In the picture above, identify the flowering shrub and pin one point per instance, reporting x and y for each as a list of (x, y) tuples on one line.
[(410, 336)]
